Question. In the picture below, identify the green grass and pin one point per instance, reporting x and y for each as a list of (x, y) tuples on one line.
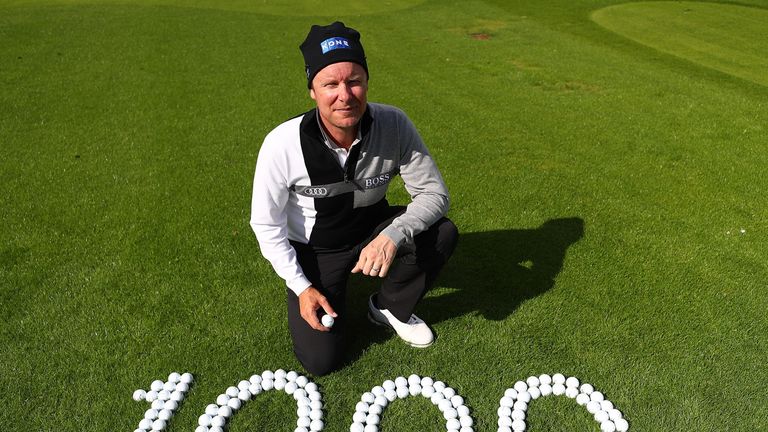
[(600, 185)]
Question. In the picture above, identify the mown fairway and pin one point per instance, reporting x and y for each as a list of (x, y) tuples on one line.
[(606, 164)]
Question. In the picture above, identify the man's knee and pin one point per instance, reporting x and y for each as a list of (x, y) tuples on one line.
[(319, 364), (447, 237)]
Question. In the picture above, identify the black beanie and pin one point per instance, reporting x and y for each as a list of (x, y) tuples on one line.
[(330, 44)]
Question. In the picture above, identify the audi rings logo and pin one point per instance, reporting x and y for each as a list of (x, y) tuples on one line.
[(316, 191)]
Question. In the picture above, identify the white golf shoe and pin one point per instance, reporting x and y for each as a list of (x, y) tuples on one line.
[(415, 332)]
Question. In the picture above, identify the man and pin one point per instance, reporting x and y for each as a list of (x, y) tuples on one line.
[(319, 207)]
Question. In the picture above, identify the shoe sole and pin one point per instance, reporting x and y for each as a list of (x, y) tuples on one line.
[(372, 319)]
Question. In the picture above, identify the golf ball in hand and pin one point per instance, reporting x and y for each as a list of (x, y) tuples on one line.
[(327, 320)]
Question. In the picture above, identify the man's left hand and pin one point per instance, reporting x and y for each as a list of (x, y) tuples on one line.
[(376, 258)]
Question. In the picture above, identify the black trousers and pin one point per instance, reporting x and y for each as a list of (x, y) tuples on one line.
[(412, 273)]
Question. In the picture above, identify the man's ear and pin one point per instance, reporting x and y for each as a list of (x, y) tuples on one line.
[(312, 93)]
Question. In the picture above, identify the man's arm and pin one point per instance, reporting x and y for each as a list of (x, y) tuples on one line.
[(269, 222), (429, 195)]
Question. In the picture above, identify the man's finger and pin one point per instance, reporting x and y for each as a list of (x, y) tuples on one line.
[(327, 307), (384, 269)]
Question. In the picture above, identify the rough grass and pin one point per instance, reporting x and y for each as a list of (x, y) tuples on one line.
[(601, 187)]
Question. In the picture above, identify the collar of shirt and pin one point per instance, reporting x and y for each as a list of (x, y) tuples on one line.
[(341, 153)]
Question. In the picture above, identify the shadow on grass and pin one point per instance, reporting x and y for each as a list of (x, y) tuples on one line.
[(491, 273)]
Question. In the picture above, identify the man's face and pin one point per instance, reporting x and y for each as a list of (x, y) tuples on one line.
[(340, 91)]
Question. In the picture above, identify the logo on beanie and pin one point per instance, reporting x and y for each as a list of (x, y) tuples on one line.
[(334, 43)]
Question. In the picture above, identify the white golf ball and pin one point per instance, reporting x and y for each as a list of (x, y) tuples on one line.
[(201, 429), (439, 386), (218, 421), (314, 396), (448, 392), (225, 411), (558, 378), (532, 381), (139, 395), (327, 321), (303, 422), (169, 386), (311, 387), (572, 382), (582, 399), (280, 373), (427, 391), (245, 395), (518, 415), (267, 385), (586, 388), (375, 409), (463, 411), (171, 405), (302, 381), (545, 379), (402, 392), (145, 424), (361, 407), (597, 396), (607, 426), (300, 429), (466, 421), (453, 425), (391, 395), (457, 401), (571, 392), (518, 425), (158, 425), (520, 386), (212, 410), (204, 420), (414, 379), (267, 375), (235, 404), (606, 405), (436, 398), (621, 425), (232, 391), (381, 401), (520, 405), (614, 414), (255, 379), (222, 399), (504, 422), (216, 429), (316, 425), (291, 376), (558, 389), (358, 417), (182, 387), (156, 385), (290, 387), (427, 381), (150, 414), (444, 405), (510, 393), (503, 411), (450, 413), (165, 414), (372, 419), (388, 385), (163, 395), (315, 414), (534, 392), (414, 389), (158, 404), (367, 397), (506, 402), (524, 397), (601, 416), (593, 407), (357, 427), (187, 378), (177, 396), (545, 389), (371, 428)]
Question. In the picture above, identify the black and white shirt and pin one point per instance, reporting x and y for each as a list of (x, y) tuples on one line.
[(302, 193)]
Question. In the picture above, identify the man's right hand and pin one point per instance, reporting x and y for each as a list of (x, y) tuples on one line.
[(310, 300)]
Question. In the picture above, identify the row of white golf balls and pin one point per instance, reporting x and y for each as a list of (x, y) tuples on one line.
[(165, 398), (368, 411), (306, 393), (514, 403)]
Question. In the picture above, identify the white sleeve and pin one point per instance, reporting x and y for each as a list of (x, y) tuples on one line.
[(268, 215)]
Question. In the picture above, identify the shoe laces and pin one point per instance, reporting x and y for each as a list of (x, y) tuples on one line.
[(413, 320)]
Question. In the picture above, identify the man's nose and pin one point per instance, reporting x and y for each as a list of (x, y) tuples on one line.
[(345, 92)]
